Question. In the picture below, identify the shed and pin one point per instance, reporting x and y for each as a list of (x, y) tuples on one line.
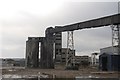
[(109, 62)]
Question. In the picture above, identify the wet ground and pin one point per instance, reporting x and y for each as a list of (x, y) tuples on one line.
[(61, 79), (87, 73)]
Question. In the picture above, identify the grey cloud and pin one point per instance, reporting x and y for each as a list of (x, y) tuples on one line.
[(90, 40), (93, 39), (16, 30)]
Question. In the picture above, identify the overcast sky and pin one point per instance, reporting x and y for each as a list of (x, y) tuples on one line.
[(20, 19)]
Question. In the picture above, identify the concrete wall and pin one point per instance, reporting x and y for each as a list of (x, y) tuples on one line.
[(46, 60), (32, 53)]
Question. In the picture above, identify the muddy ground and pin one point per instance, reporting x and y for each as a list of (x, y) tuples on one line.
[(60, 72)]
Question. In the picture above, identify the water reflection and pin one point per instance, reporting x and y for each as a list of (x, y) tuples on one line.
[(63, 79)]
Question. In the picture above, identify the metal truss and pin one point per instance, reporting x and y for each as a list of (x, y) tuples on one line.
[(70, 49), (115, 37)]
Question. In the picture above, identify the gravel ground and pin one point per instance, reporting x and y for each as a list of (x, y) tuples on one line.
[(59, 72)]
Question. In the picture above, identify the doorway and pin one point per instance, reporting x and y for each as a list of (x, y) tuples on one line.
[(104, 63)]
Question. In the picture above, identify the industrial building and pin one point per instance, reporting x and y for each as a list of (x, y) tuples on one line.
[(47, 48), (61, 58), (109, 59), (109, 62), (58, 46), (61, 53), (109, 50), (80, 59)]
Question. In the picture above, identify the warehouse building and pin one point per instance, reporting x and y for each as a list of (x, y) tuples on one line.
[(109, 59)]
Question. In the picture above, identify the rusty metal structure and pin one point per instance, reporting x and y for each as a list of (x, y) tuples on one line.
[(47, 42)]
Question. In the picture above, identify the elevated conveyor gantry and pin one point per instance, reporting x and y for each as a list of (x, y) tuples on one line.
[(48, 41)]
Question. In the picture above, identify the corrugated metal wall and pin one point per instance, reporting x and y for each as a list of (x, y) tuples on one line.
[(109, 62)]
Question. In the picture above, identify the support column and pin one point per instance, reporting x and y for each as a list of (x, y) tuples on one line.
[(47, 61), (119, 40), (115, 38), (70, 55), (32, 53)]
